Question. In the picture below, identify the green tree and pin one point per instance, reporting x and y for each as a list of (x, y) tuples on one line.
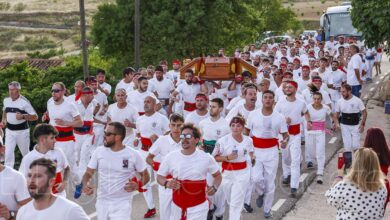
[(371, 17), (177, 29)]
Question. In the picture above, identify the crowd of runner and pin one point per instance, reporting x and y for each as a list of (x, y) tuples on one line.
[(210, 145)]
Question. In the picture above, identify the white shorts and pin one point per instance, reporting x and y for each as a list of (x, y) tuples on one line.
[(113, 210)]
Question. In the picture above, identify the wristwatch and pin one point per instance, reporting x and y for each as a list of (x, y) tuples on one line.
[(12, 215)]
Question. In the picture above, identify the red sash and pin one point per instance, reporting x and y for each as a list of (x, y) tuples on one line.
[(188, 106), (191, 193), (85, 129), (294, 129), (141, 113), (140, 189), (233, 166), (146, 143), (265, 142), (57, 180), (65, 134)]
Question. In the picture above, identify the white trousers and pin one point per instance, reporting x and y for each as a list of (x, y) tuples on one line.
[(315, 148), (264, 174), (148, 195), (68, 147), (165, 202), (291, 160), (370, 65), (86, 151), (13, 138), (198, 212), (233, 187), (98, 130), (113, 210), (351, 137)]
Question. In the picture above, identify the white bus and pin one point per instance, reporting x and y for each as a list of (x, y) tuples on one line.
[(337, 21)]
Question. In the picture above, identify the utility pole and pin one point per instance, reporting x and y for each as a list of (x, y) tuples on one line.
[(137, 52), (83, 39)]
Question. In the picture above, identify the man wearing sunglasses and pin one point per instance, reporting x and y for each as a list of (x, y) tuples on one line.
[(159, 150), (115, 192), (64, 116), (189, 168), (149, 127), (17, 112)]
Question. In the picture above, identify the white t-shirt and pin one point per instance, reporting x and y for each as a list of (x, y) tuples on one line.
[(239, 109), (353, 105), (233, 102), (294, 110), (136, 99), (338, 77), (101, 98), (21, 105), (163, 87), (56, 155), (354, 63), (13, 188), (156, 124), (227, 144), (86, 113), (188, 92), (120, 115), (214, 130), (61, 209), (318, 115), (163, 146), (173, 75), (308, 97), (114, 171), (268, 127), (107, 87), (65, 111), (194, 118), (126, 86)]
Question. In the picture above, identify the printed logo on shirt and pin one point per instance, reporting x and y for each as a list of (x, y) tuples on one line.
[(218, 132), (125, 163), (154, 124), (55, 161)]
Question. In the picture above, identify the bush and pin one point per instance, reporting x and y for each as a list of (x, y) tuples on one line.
[(39, 43), (5, 6), (46, 55), (18, 47), (20, 7)]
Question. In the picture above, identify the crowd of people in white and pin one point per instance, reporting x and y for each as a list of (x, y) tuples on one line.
[(209, 144)]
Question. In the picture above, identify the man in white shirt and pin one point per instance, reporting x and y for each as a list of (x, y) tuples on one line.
[(265, 125), (64, 116), (201, 112), (103, 86), (338, 79), (354, 78), (174, 74), (78, 86), (17, 112), (350, 108), (45, 135), (127, 81), (161, 86), (115, 192), (137, 97), (159, 150), (189, 168), (46, 205), (249, 105), (13, 190)]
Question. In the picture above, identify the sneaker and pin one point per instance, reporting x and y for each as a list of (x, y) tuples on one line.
[(77, 192), (260, 201), (210, 213), (286, 180), (268, 215), (219, 218), (294, 192), (319, 179), (310, 165), (248, 208), (150, 213)]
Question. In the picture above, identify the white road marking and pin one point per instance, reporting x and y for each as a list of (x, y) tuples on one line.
[(278, 205), (303, 177), (93, 215), (332, 140)]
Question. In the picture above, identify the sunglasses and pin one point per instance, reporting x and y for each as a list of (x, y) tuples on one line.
[(56, 90), (108, 134), (185, 136)]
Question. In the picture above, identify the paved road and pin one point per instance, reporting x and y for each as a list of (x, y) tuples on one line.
[(282, 203)]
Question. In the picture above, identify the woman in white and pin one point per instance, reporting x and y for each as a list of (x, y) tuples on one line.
[(233, 151), (315, 133)]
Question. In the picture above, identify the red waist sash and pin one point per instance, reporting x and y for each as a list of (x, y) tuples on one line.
[(188, 106), (265, 142), (141, 113), (64, 134), (146, 143), (190, 194), (294, 129), (85, 129), (233, 166), (57, 180)]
